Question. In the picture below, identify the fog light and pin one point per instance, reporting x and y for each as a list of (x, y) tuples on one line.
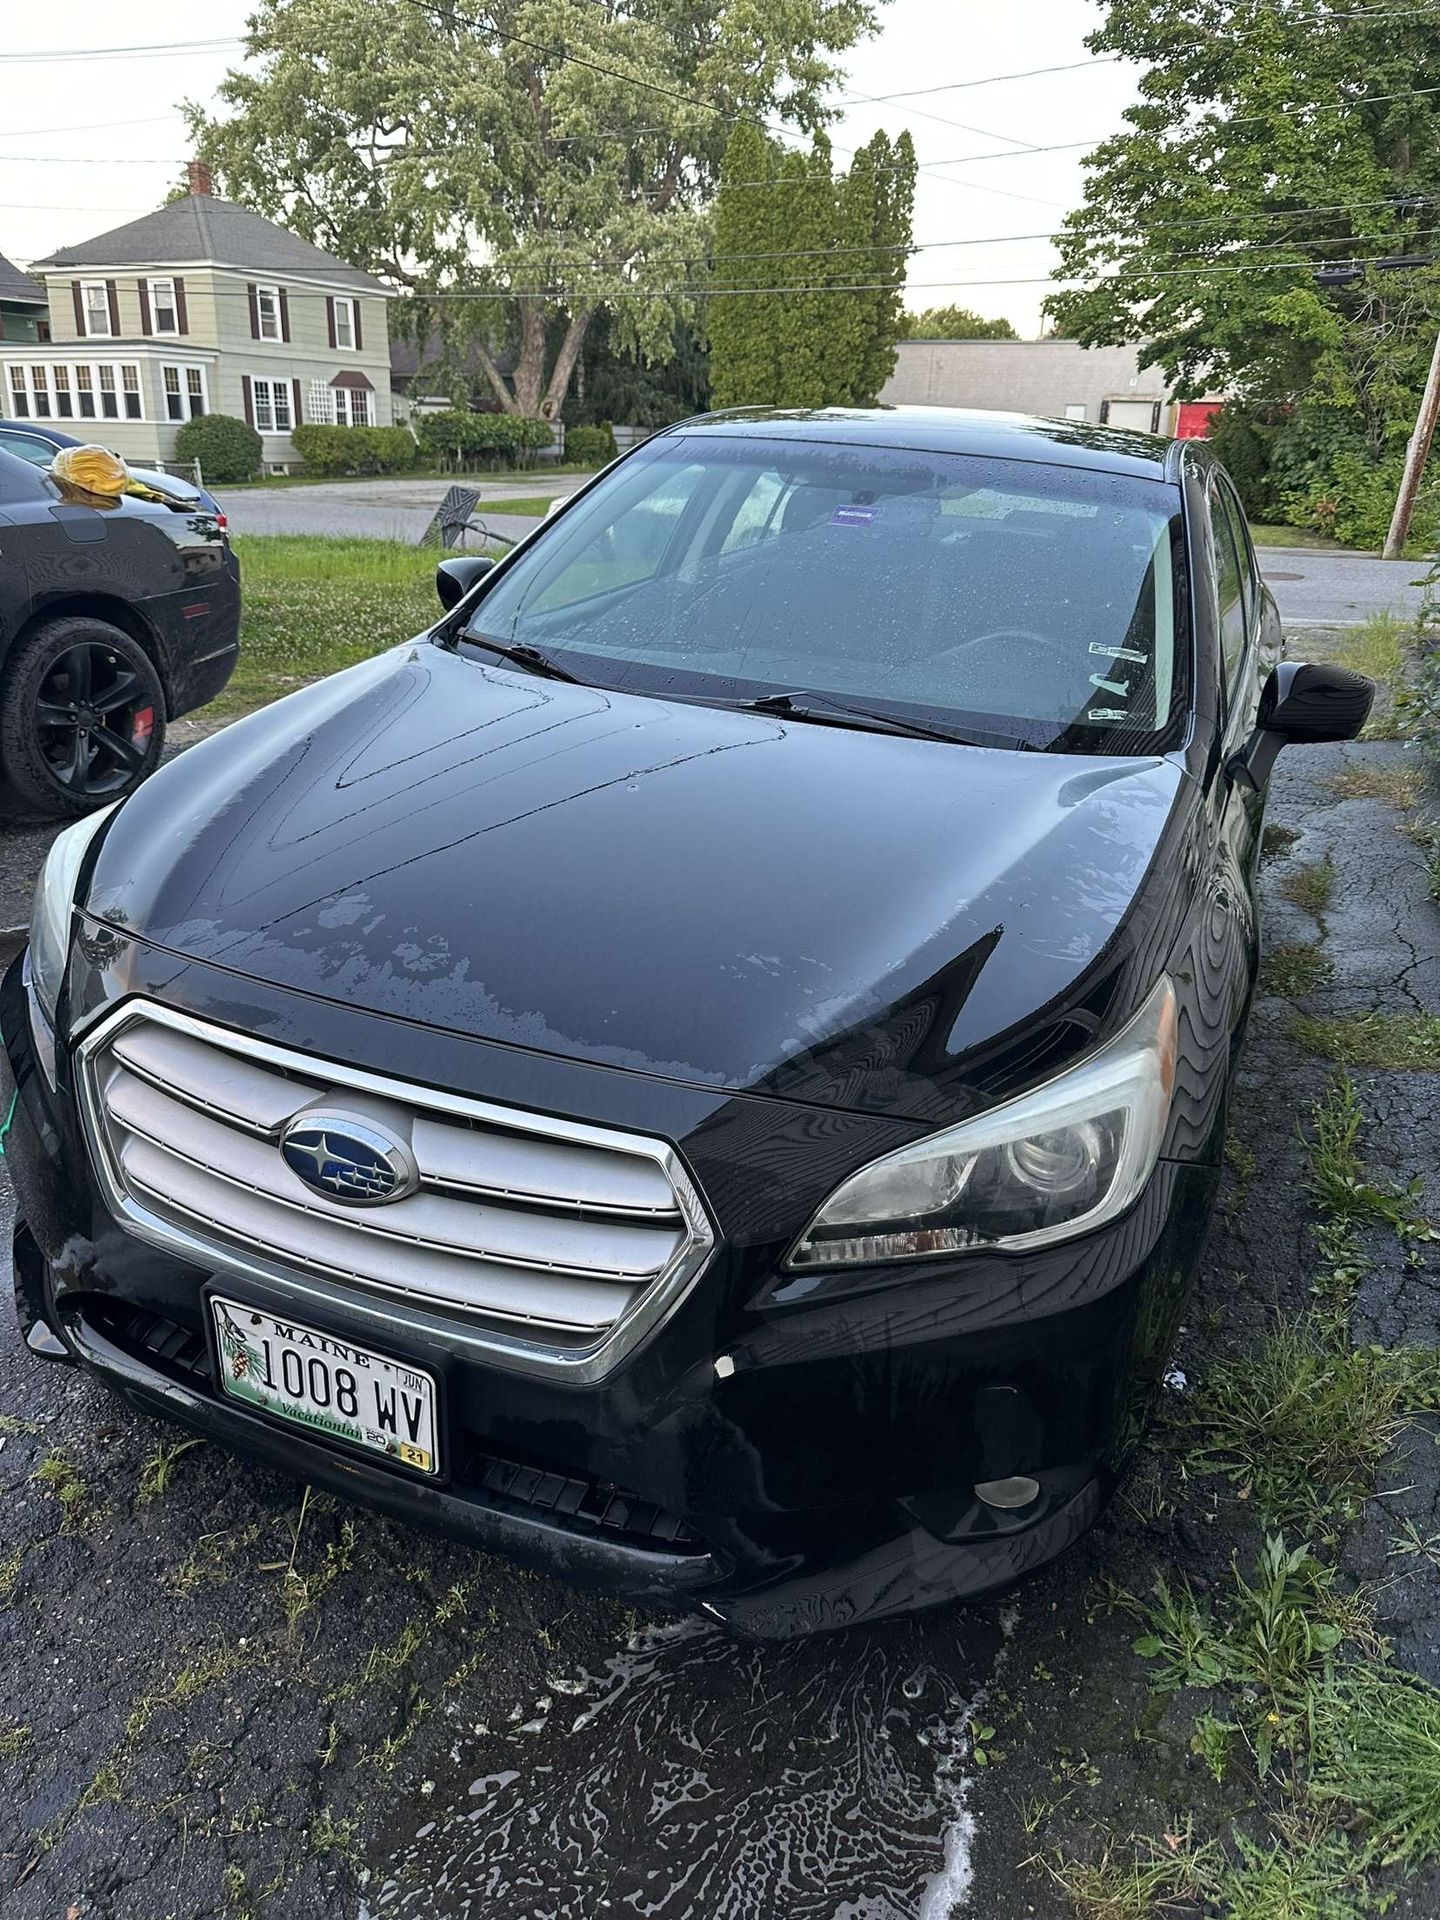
[(1018, 1491)]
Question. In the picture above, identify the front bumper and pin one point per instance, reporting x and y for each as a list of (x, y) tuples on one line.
[(822, 1474)]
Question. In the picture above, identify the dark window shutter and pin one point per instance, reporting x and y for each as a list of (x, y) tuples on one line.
[(298, 417), (247, 395), (330, 316), (355, 313), (145, 326), (284, 315), (182, 318), (79, 299), (114, 299), (254, 313)]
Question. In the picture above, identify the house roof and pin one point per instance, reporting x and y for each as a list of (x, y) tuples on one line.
[(200, 227), (18, 289)]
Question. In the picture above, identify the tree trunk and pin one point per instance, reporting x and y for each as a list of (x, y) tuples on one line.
[(565, 362), (495, 377), (530, 367)]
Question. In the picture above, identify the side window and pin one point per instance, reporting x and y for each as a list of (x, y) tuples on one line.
[(758, 515), (1230, 578), (1235, 514)]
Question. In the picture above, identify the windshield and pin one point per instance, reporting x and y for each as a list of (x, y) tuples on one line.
[(1002, 597)]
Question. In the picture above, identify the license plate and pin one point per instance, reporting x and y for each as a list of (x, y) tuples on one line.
[(327, 1385)]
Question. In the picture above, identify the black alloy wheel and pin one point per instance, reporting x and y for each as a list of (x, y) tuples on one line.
[(82, 718)]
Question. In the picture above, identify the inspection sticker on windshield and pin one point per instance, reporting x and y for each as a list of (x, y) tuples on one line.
[(310, 1379), (853, 516)]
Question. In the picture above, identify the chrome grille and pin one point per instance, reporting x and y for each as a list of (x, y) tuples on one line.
[(557, 1243)]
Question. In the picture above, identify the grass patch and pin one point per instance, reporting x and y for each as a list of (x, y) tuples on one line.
[(1378, 648), (1301, 1422), (1390, 1042), (313, 605), (1294, 970), (1397, 786), (12, 1740), (58, 1473), (1376, 1752), (1266, 535), (1311, 886), (532, 506)]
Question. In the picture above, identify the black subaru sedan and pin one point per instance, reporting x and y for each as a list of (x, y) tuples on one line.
[(706, 1071)]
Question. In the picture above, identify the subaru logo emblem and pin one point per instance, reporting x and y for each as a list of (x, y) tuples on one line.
[(360, 1162)]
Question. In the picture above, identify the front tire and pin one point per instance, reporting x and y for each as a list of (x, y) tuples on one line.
[(82, 719)]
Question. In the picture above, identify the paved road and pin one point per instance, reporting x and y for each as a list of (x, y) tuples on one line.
[(1319, 589), (380, 509)]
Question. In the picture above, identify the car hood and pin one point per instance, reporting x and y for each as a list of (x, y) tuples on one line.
[(730, 899)]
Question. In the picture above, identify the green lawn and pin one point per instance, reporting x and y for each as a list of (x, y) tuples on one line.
[(1267, 536), (313, 605)]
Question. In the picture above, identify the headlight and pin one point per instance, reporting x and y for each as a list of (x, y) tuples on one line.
[(54, 899), (1056, 1162)]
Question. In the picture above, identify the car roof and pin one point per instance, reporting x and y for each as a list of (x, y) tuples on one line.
[(1007, 436), (40, 430)]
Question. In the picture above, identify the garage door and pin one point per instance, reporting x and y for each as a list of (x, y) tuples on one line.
[(1142, 415)]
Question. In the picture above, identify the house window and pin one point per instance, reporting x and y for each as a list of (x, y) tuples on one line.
[(184, 392), (109, 398), (64, 399), (320, 408), (345, 323), (352, 407), (267, 312), (19, 394), (273, 411), (162, 303), (130, 381), (40, 392), (96, 297), (85, 392)]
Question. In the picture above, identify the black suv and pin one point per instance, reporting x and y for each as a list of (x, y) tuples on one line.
[(115, 615), (707, 1071)]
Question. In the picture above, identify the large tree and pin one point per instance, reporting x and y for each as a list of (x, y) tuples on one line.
[(1282, 157), (804, 307), (954, 323), (504, 161)]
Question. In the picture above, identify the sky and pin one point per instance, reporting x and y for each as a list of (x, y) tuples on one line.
[(87, 142)]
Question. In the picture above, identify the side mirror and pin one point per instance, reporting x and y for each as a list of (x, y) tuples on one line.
[(455, 578), (1302, 704)]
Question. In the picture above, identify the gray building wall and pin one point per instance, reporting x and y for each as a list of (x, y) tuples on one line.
[(1053, 379)]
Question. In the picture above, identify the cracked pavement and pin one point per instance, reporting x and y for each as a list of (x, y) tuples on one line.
[(229, 1699)]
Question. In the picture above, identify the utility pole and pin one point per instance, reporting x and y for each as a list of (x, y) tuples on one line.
[(1416, 455)]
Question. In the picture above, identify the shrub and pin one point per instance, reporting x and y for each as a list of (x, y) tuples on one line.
[(459, 438), (226, 448), (330, 450), (590, 446)]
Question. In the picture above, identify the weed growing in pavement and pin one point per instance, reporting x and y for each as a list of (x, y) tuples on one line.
[(1376, 1754), (58, 1473), (1311, 886), (1276, 841), (1292, 971), (1390, 1042), (1398, 787), (10, 1567), (12, 1739), (159, 1470), (340, 1837)]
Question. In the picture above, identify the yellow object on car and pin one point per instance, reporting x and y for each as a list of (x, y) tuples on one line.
[(97, 470)]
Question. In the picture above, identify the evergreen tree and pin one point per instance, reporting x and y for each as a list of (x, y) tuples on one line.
[(743, 362)]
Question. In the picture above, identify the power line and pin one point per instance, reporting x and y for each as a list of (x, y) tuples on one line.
[(152, 50)]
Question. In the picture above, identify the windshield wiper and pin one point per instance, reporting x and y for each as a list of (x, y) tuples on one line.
[(526, 656), (806, 705)]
